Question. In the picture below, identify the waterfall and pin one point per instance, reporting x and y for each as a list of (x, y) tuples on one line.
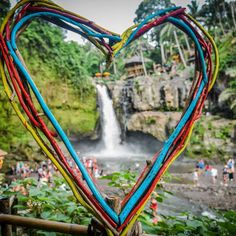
[(111, 132), (109, 147)]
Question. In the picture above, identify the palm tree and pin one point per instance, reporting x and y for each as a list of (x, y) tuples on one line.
[(4, 8), (194, 8), (179, 49), (228, 100), (163, 33), (232, 9), (166, 33), (142, 57)]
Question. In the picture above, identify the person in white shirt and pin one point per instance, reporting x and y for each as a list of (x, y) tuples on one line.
[(195, 178), (214, 174)]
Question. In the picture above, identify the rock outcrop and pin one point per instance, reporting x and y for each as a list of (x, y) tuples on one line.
[(150, 105), (151, 93), (158, 124)]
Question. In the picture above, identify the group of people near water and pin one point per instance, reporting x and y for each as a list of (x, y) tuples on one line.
[(21, 170), (210, 171), (44, 170), (91, 165)]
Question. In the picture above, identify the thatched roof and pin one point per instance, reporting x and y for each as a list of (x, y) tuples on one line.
[(135, 60)]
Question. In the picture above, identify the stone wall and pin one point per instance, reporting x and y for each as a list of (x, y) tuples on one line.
[(151, 105)]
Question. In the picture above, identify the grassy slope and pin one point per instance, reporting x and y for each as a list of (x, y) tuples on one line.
[(76, 113), (74, 108)]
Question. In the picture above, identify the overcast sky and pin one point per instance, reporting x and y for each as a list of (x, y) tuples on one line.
[(115, 15)]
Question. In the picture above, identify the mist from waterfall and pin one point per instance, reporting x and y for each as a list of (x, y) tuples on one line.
[(137, 147)]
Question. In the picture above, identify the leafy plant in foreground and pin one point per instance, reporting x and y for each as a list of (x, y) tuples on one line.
[(55, 203)]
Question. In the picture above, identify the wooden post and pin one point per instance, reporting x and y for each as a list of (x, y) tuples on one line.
[(115, 203), (5, 208), (136, 229)]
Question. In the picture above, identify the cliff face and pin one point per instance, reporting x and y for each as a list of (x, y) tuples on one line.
[(154, 106), (151, 105)]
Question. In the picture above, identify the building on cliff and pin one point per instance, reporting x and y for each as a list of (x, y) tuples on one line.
[(135, 66)]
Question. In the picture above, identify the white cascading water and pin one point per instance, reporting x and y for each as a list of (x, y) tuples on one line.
[(111, 133)]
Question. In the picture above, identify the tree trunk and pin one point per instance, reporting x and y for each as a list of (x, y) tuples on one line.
[(142, 58), (220, 19), (225, 15), (187, 43), (163, 58), (232, 12), (180, 50), (114, 67)]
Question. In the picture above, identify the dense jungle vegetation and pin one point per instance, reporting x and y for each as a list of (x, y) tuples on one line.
[(65, 69)]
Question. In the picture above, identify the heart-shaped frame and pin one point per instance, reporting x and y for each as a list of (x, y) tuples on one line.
[(18, 80)]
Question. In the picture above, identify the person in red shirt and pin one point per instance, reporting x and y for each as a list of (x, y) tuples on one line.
[(154, 208)]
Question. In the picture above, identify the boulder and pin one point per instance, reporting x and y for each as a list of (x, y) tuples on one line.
[(158, 124)]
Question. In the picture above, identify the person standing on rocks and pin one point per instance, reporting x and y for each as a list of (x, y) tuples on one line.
[(201, 166), (214, 174), (196, 178), (230, 165), (225, 175), (154, 208)]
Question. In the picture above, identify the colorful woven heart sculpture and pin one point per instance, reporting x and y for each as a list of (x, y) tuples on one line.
[(17, 80)]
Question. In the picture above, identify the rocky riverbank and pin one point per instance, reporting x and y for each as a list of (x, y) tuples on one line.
[(206, 196), (214, 196)]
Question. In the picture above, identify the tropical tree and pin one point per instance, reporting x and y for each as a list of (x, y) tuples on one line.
[(194, 8), (147, 7), (4, 7), (227, 100), (218, 14), (232, 9), (171, 37)]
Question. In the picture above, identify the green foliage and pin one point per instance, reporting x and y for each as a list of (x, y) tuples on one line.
[(207, 134), (10, 130), (194, 8), (4, 7), (228, 100), (147, 7), (227, 52), (150, 121), (217, 15), (55, 203), (224, 133), (123, 180), (65, 69), (42, 43), (187, 224)]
